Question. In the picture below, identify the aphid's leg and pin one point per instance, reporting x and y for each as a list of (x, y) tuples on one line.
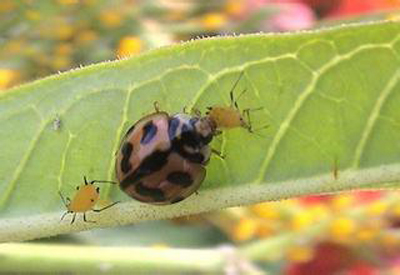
[(85, 220), (235, 101), (63, 200), (106, 207), (102, 181), (246, 115), (218, 153), (233, 88), (62, 217), (156, 106), (73, 218)]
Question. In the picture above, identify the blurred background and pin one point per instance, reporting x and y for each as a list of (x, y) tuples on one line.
[(353, 233)]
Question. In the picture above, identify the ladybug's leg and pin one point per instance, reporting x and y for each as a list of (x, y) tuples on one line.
[(218, 153), (84, 218), (106, 207)]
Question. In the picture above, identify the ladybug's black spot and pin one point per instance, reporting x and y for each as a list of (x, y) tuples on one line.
[(191, 138), (149, 132), (153, 162), (172, 128), (186, 128), (126, 151), (180, 178), (149, 165), (178, 199), (156, 194)]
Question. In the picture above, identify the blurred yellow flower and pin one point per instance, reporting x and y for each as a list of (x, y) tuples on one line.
[(376, 208), (301, 220), (32, 15), (7, 78), (61, 62), (68, 2), (265, 229), (235, 7), (366, 234), (111, 19), (342, 229), (64, 49), (213, 21), (300, 253), (129, 45), (266, 210), (64, 31), (245, 229), (14, 46), (6, 6), (86, 36), (340, 202)]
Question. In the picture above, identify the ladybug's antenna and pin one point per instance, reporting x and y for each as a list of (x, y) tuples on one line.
[(84, 179)]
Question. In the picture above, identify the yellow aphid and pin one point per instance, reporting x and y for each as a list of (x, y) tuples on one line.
[(228, 117), (85, 199)]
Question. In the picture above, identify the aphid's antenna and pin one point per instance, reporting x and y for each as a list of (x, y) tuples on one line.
[(106, 207), (234, 86)]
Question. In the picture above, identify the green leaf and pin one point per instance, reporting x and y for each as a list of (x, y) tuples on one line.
[(329, 97)]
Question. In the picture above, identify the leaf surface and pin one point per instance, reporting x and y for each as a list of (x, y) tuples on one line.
[(330, 98)]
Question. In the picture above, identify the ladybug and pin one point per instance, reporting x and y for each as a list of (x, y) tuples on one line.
[(85, 199), (162, 157)]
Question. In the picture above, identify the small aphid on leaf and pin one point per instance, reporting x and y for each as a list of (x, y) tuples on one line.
[(228, 117), (84, 200), (57, 123)]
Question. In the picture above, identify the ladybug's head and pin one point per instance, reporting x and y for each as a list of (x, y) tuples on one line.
[(205, 128)]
